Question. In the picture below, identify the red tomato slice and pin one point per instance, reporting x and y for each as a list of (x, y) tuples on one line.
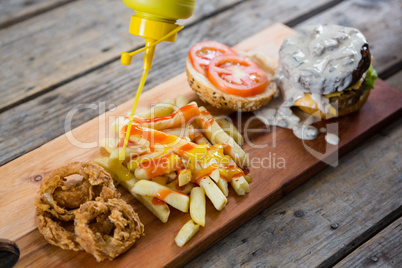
[(237, 75), (202, 53)]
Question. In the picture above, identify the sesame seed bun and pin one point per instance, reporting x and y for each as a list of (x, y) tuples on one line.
[(219, 99)]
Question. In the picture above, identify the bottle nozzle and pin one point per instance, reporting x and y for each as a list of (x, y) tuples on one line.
[(148, 56), (154, 32)]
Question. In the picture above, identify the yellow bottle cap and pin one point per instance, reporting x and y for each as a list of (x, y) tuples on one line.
[(154, 31)]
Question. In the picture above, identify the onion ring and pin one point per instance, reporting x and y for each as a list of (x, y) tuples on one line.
[(107, 228), (61, 196)]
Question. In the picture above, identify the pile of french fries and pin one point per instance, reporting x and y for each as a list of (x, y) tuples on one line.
[(177, 154)]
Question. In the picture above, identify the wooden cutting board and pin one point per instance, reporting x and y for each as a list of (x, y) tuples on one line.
[(284, 163)]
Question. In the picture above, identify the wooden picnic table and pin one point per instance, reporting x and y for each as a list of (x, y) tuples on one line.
[(55, 54)]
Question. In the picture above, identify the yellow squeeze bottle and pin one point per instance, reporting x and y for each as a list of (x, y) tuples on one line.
[(155, 20)]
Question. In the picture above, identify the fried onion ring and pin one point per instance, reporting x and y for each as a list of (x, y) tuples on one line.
[(107, 229), (56, 232), (62, 192)]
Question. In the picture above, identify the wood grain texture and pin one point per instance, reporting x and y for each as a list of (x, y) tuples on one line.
[(20, 185), (296, 231), (13, 11), (94, 131), (29, 123), (331, 196), (51, 49), (383, 250), (396, 80), (42, 119), (378, 20), (302, 220)]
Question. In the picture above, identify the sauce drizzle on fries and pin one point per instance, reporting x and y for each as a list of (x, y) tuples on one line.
[(178, 159)]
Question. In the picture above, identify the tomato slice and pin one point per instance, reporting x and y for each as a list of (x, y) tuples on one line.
[(202, 53), (237, 75)]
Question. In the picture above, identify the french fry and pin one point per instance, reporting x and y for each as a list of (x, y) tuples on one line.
[(231, 130), (186, 233), (214, 194), (197, 205), (175, 199), (185, 132), (216, 135), (116, 157), (240, 185), (179, 118), (133, 163), (174, 185), (161, 211), (163, 164), (115, 164), (161, 180), (161, 109), (181, 101), (172, 175), (215, 175), (223, 185), (158, 167), (127, 180), (199, 138), (184, 177)]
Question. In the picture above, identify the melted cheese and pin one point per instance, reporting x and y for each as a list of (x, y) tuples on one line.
[(307, 101)]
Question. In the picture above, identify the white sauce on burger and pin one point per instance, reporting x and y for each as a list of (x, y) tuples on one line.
[(319, 60)]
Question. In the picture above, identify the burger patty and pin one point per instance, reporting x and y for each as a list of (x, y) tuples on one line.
[(348, 98)]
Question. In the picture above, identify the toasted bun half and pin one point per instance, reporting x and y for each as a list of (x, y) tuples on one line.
[(347, 103), (217, 98)]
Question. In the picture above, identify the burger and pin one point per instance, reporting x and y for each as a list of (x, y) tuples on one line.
[(229, 79), (325, 70)]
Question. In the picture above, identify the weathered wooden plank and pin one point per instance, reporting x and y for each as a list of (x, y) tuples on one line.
[(13, 11), (34, 123), (20, 177), (281, 240), (383, 250), (53, 48), (325, 218), (396, 80), (379, 21)]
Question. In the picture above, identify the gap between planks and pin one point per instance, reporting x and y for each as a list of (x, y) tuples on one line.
[(203, 14), (331, 196), (50, 88), (356, 243), (383, 250), (105, 84), (36, 10), (391, 71)]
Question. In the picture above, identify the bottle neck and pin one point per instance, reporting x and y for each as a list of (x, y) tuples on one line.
[(145, 15)]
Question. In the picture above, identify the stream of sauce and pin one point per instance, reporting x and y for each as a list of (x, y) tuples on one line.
[(122, 154)]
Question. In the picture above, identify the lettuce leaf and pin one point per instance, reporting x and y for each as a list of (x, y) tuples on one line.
[(371, 76)]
